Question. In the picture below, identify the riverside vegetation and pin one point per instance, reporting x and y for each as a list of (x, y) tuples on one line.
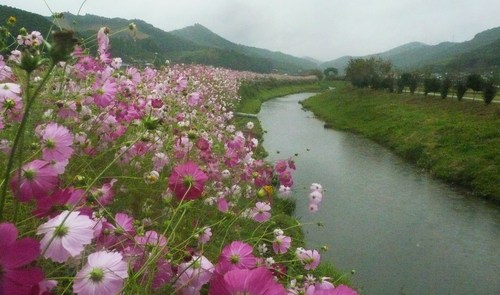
[(137, 181), (458, 142)]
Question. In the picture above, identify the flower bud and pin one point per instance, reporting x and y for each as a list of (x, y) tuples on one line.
[(62, 46)]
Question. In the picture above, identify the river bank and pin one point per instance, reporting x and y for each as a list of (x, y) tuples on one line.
[(401, 230), (458, 142), (252, 97)]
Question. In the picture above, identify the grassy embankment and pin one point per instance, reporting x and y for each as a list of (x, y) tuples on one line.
[(253, 95), (458, 142)]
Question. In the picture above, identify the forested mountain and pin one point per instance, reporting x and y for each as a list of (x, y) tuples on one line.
[(147, 44), (197, 44), (28, 20), (203, 36), (477, 54)]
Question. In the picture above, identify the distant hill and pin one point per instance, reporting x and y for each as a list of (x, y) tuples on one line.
[(280, 61), (199, 45), (148, 44), (444, 56), (477, 60), (28, 20)]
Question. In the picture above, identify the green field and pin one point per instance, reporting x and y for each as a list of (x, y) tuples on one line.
[(457, 141)]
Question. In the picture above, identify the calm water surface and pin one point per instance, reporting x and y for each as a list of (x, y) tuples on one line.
[(403, 232)]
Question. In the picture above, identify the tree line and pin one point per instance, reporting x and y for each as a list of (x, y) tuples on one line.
[(377, 73)]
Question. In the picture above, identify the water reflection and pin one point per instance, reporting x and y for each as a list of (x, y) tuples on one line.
[(403, 232)]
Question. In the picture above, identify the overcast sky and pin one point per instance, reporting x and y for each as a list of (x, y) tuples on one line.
[(322, 29)]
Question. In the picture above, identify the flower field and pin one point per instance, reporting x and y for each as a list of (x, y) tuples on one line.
[(119, 180)]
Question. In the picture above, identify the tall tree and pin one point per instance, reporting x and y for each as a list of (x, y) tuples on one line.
[(489, 91), (431, 84), (475, 82), (368, 72), (330, 73)]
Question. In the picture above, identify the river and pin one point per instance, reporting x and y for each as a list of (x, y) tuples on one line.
[(400, 230)]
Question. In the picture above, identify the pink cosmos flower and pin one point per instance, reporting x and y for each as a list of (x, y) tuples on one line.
[(37, 179), (103, 40), (194, 274), (32, 39), (280, 166), (103, 274), (66, 235), (160, 160), (182, 83), (286, 178), (205, 235), (115, 236), (315, 197), (11, 103), (313, 208), (187, 181), (281, 244), (152, 239), (222, 204), (316, 187), (15, 255), (310, 258), (56, 143), (133, 75), (45, 287), (6, 71), (194, 99), (324, 284), (9, 90), (258, 281), (104, 93), (261, 212), (162, 274), (236, 255), (284, 191), (60, 167), (105, 194)]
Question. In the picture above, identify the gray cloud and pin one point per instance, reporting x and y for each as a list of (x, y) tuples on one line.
[(321, 29)]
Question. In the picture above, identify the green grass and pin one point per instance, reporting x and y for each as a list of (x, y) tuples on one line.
[(254, 94), (458, 142)]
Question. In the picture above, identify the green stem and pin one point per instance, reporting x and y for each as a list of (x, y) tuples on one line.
[(20, 132)]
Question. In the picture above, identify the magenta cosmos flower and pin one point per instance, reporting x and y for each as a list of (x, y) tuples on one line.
[(37, 179), (59, 200), (258, 281), (102, 275), (15, 277), (66, 235), (237, 255), (187, 181), (56, 143)]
